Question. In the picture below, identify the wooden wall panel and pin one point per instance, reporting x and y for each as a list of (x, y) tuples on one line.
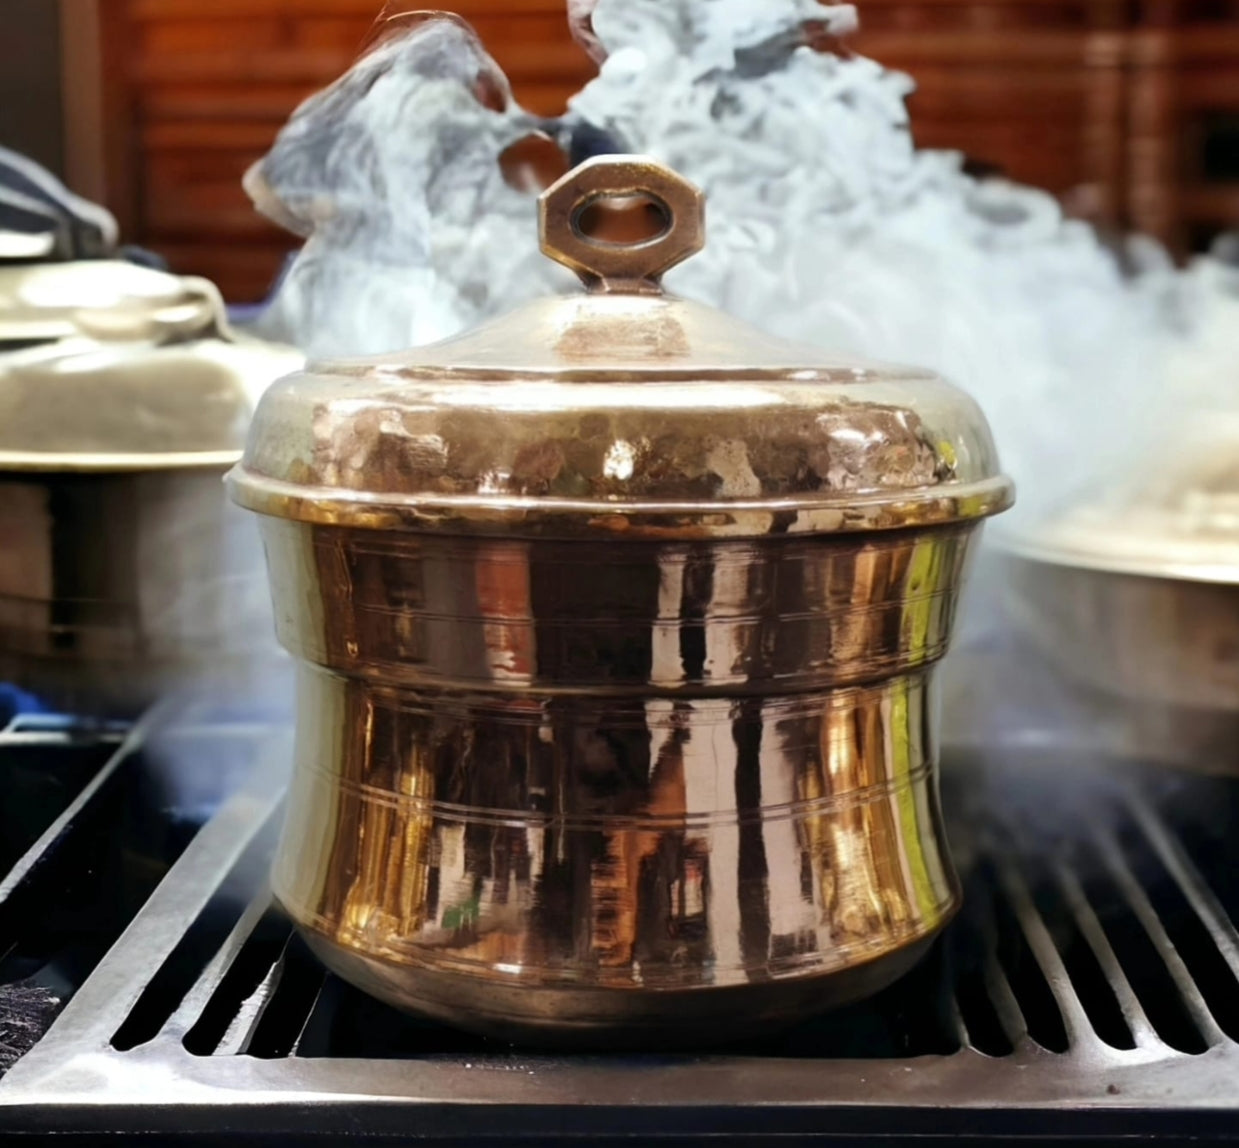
[(1042, 107), (1077, 96)]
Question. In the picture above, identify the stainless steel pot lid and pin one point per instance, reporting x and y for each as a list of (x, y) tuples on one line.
[(1177, 518), (112, 366)]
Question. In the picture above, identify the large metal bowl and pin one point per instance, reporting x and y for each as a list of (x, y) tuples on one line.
[(1134, 601)]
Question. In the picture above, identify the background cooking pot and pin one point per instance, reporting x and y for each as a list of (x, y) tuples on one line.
[(616, 623), (124, 398), (1133, 600)]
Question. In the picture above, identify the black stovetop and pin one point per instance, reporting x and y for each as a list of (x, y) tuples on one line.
[(1089, 991)]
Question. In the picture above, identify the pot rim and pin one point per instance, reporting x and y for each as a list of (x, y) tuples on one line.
[(862, 512)]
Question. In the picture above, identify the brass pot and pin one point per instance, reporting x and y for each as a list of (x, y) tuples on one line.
[(616, 624), (124, 400)]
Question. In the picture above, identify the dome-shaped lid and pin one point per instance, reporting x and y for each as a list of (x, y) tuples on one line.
[(619, 410), (1177, 518), (105, 365)]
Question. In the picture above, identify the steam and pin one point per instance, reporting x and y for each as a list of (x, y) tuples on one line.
[(826, 225), (393, 173)]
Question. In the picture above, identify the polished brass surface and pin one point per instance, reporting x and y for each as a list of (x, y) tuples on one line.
[(526, 768), (572, 1017), (623, 267), (720, 618), (616, 627)]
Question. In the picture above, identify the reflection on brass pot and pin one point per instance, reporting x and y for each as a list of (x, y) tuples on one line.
[(555, 773)]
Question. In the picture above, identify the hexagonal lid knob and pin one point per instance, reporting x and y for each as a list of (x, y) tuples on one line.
[(621, 264)]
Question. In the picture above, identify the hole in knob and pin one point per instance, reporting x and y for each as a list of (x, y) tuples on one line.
[(623, 220)]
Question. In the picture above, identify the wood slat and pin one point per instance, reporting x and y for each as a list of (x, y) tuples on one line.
[(198, 215), (270, 104), (155, 10), (219, 40), (972, 96), (250, 136), (174, 37), (545, 99), (1219, 43), (957, 21), (323, 66), (1204, 203), (1054, 167), (1209, 89), (169, 169), (1082, 8), (244, 67), (986, 49)]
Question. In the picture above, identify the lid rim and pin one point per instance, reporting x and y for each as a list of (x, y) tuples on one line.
[(647, 374), (1132, 564), (863, 512), (107, 462), (654, 416)]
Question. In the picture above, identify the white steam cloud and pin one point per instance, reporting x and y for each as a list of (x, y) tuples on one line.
[(826, 224)]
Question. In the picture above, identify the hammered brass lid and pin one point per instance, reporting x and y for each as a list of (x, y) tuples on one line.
[(106, 366), (619, 410)]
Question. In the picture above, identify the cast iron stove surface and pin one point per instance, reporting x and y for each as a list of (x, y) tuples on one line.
[(1089, 992)]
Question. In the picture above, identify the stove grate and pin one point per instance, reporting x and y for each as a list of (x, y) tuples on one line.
[(88, 829), (1090, 988)]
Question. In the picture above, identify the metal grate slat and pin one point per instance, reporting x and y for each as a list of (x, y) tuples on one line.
[(207, 984), (262, 1038), (1190, 881), (1045, 952), (1190, 994), (1074, 897)]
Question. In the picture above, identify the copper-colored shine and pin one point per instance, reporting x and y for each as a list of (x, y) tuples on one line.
[(535, 779), (615, 713)]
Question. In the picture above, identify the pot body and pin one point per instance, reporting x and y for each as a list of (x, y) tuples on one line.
[(116, 587), (582, 791)]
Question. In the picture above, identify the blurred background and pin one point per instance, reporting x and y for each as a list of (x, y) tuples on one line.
[(1128, 110)]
